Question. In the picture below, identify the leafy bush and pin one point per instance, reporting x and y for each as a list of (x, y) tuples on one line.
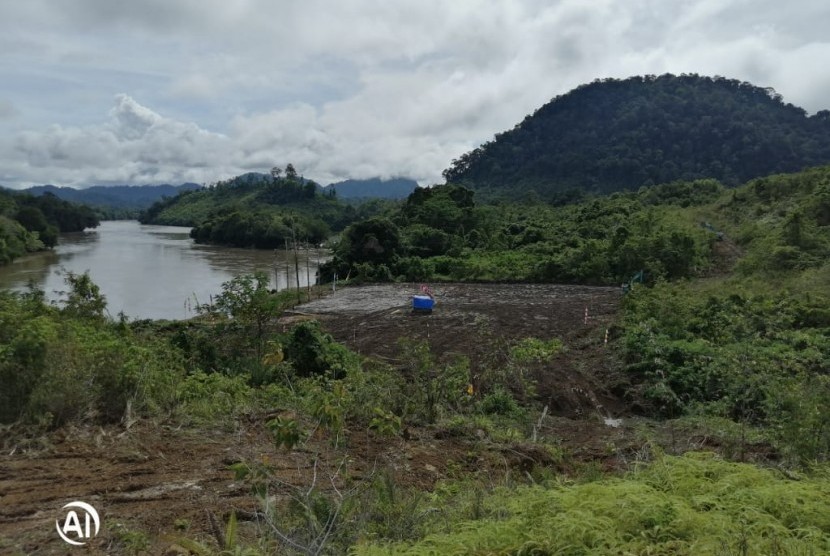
[(84, 299), (207, 397), (374, 387), (756, 358), (534, 350), (247, 300), (498, 402), (312, 352), (415, 269), (436, 389), (71, 364)]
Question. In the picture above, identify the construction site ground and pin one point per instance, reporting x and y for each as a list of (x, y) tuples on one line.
[(156, 482), (480, 321)]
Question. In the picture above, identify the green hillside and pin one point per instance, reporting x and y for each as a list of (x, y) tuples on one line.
[(669, 231), (255, 210), (613, 134), (736, 279), (29, 223), (443, 234), (727, 337)]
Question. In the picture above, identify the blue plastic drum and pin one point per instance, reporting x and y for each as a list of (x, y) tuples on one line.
[(422, 303)]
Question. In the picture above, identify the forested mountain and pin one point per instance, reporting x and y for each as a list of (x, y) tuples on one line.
[(29, 223), (395, 188), (257, 210), (613, 134), (114, 196)]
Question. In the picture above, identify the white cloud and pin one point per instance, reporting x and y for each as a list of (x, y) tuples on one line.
[(348, 89), (136, 145)]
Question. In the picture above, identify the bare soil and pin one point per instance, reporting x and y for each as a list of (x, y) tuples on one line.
[(480, 321), (725, 255), (164, 482)]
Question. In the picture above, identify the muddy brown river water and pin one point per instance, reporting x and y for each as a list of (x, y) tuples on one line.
[(153, 272)]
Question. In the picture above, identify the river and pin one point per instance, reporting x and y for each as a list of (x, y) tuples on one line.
[(154, 272)]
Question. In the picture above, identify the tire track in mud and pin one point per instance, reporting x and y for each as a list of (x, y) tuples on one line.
[(144, 479)]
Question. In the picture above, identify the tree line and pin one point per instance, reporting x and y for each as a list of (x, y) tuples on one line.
[(29, 223)]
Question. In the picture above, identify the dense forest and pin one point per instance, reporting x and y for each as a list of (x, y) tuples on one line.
[(615, 134), (29, 223), (441, 233), (259, 210)]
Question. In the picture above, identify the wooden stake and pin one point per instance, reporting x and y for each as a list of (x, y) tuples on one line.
[(287, 267), (296, 263), (308, 271), (276, 272)]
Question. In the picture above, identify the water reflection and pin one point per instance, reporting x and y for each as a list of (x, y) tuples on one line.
[(152, 271), (33, 268)]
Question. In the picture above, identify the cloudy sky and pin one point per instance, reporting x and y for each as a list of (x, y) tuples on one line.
[(155, 91)]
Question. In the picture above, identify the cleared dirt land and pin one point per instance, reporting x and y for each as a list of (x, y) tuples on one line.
[(479, 320), (164, 481)]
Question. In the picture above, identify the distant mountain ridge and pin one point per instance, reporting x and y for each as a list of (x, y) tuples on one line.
[(114, 196), (139, 197), (613, 135)]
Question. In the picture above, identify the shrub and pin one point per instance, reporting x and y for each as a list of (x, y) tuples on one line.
[(415, 269), (207, 397), (436, 389), (312, 352), (58, 367), (498, 402)]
